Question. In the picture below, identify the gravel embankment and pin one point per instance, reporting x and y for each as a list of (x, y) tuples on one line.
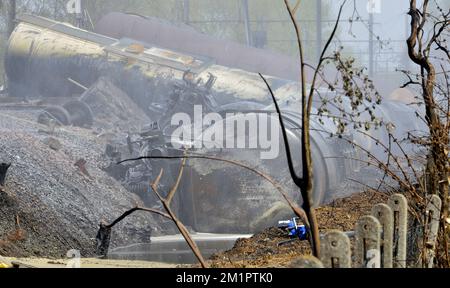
[(48, 205)]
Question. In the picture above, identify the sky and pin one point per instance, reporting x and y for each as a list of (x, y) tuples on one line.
[(390, 25), (391, 18)]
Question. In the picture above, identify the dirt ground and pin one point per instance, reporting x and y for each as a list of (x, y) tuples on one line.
[(85, 263), (262, 250)]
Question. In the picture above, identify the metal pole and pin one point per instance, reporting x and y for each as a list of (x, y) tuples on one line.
[(11, 16), (371, 45), (248, 32), (80, 15), (186, 11), (319, 27)]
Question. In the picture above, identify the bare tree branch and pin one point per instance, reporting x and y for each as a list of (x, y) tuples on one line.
[(177, 183), (297, 180), (131, 211), (183, 230)]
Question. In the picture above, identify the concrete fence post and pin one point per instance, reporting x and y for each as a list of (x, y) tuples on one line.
[(385, 215), (335, 250), (432, 218), (367, 244), (399, 205)]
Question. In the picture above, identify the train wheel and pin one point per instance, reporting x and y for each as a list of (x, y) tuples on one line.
[(54, 113)]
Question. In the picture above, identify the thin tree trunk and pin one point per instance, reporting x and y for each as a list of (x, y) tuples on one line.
[(308, 177), (438, 165)]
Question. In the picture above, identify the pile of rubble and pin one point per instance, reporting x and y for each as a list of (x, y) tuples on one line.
[(56, 193)]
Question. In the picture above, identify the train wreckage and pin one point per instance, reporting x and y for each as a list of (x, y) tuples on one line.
[(133, 89)]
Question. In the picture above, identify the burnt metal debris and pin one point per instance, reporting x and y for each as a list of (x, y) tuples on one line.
[(103, 240)]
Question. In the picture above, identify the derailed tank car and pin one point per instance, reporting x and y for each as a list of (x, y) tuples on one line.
[(51, 60)]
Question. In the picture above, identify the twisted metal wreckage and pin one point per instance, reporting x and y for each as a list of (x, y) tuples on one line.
[(85, 79)]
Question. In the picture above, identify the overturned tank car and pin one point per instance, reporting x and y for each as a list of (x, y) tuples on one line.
[(181, 99)]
